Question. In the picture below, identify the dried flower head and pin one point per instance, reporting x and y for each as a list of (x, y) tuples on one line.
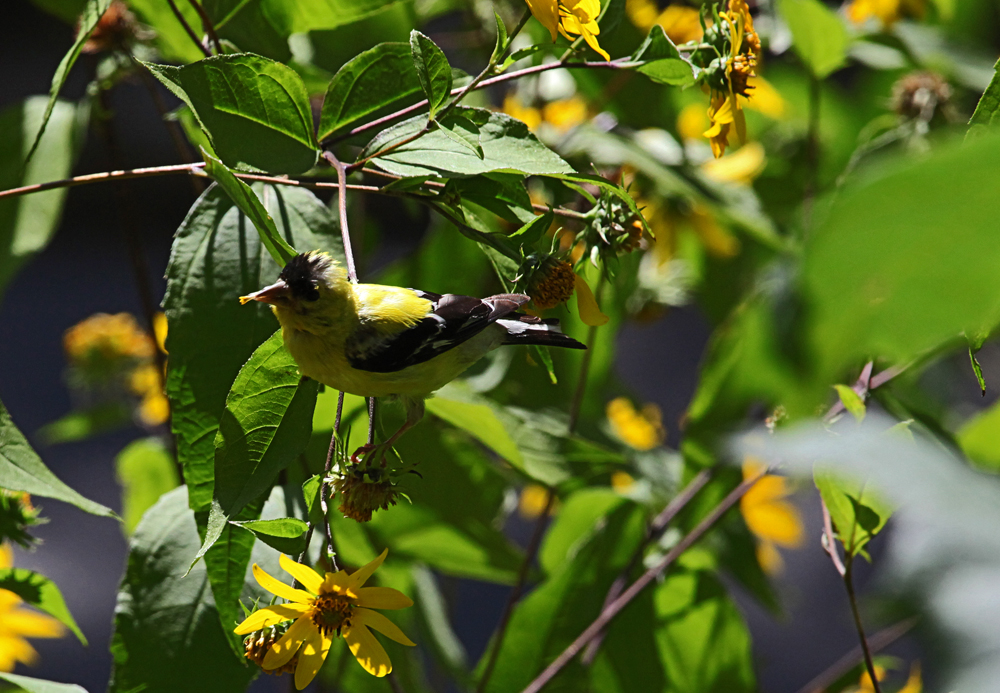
[(363, 490), (116, 29), (258, 644), (552, 285), (922, 94)]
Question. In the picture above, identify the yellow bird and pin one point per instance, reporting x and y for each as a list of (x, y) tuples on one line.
[(385, 341)]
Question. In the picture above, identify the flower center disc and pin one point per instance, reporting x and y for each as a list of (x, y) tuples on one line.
[(331, 613)]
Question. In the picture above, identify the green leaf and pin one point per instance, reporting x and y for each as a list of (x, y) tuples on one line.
[(215, 259), (912, 295), (248, 202), (479, 421), (977, 369), (92, 13), (532, 232), (145, 470), (819, 35), (372, 80), (556, 611), (656, 46), (246, 24), (167, 633), (580, 516), (605, 186), (858, 511), (309, 15), (172, 42), (32, 685), (988, 109), (22, 470), (507, 146), (433, 70), (673, 71), (286, 534), (503, 194), (980, 439), (27, 222), (254, 110), (41, 593), (501, 44), (80, 425), (852, 401), (266, 423), (462, 131)]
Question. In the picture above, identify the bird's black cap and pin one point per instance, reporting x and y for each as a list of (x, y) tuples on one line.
[(303, 273)]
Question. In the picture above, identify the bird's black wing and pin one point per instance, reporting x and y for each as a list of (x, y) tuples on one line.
[(453, 319)]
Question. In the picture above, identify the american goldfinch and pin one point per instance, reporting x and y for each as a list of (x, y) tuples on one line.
[(385, 341)]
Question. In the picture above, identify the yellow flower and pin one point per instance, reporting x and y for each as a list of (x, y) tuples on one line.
[(555, 283), (513, 107), (888, 12), (330, 606), (622, 481), (642, 430), (681, 24), (16, 624), (742, 166), (764, 98), (532, 501), (154, 409), (107, 337), (570, 18), (721, 116), (865, 682), (915, 682), (774, 520), (565, 114), (691, 121)]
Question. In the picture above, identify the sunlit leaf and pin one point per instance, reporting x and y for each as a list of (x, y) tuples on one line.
[(819, 35), (32, 685), (145, 470), (432, 69)]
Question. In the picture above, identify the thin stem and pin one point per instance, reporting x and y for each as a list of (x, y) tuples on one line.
[(879, 641), (345, 232), (656, 529), (206, 24), (505, 77), (865, 650), (515, 593), (324, 489), (188, 29), (829, 541), (615, 607), (371, 420)]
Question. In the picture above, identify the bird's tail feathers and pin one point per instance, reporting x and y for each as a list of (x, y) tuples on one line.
[(527, 329)]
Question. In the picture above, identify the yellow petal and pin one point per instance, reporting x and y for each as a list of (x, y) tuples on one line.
[(336, 582), (546, 12), (373, 619), (269, 616), (742, 166), (586, 304), (915, 682), (770, 559), (279, 588), (14, 650), (360, 577), (765, 99), (303, 573), (368, 651), (6, 556), (288, 645), (311, 658), (740, 121), (591, 38), (32, 625), (776, 521), (382, 598)]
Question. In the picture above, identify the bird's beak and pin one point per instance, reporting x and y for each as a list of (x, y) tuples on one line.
[(269, 294)]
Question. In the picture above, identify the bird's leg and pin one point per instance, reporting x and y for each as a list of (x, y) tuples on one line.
[(414, 413)]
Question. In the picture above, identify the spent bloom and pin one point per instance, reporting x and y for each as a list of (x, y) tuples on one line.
[(555, 282), (570, 18), (772, 519), (17, 624), (331, 606)]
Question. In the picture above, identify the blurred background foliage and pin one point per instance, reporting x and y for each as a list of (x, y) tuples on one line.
[(838, 263)]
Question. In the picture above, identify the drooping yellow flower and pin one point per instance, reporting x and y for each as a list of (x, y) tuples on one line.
[(570, 18), (865, 682), (915, 682), (764, 98), (642, 430), (742, 166), (528, 115), (16, 624), (721, 116), (565, 114), (329, 607), (692, 122), (773, 520), (681, 23), (586, 304)]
